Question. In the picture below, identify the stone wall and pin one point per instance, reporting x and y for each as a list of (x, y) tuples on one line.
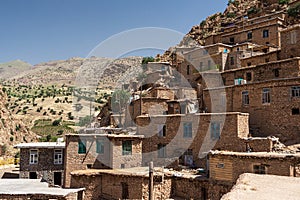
[(268, 71), (45, 167), (260, 59), (240, 36), (233, 127), (111, 158), (266, 119), (113, 186), (290, 42), (228, 167)]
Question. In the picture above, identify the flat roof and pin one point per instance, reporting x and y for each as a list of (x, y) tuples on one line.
[(138, 172), (197, 114), (261, 187), (32, 186), (107, 135), (256, 154), (41, 145)]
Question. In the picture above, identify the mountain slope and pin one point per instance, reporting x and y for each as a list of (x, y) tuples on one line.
[(12, 130), (12, 68)]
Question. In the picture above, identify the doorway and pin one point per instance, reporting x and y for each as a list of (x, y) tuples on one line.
[(32, 175), (57, 178)]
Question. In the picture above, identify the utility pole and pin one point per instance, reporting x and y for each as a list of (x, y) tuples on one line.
[(151, 196)]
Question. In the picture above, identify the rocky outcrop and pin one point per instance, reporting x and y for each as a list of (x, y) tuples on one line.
[(12, 130)]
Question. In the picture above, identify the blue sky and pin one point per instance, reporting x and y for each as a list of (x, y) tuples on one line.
[(43, 30)]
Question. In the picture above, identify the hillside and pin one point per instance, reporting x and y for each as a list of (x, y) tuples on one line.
[(55, 90), (12, 130), (10, 69), (67, 71)]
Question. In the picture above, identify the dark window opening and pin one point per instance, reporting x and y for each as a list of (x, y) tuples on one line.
[(127, 147), (267, 60), (89, 166), (231, 40), (162, 130), (295, 91), (125, 191), (188, 70), (32, 175), (248, 76), (249, 64), (249, 35), (57, 178), (276, 72), (265, 33), (259, 169), (295, 111), (122, 166), (81, 146), (231, 60)]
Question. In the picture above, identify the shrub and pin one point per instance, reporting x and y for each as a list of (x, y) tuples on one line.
[(56, 122), (283, 2), (294, 11)]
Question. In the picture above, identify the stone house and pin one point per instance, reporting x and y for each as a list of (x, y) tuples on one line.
[(186, 139), (228, 166), (42, 160), (101, 151)]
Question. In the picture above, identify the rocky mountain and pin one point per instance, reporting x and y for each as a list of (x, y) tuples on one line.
[(10, 69), (106, 70), (12, 130), (236, 10)]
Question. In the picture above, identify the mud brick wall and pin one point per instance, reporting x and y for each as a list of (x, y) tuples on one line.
[(111, 186), (289, 68), (233, 127), (111, 158), (288, 47), (271, 119), (235, 165)]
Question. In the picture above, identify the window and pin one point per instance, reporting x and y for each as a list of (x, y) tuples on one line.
[(209, 64), (220, 165), (266, 96), (187, 130), (248, 76), (215, 130), (249, 64), (99, 146), (33, 157), (162, 130), (81, 146), (223, 99), (245, 97), (265, 33), (161, 150), (231, 40), (295, 111), (276, 72), (249, 35), (231, 60), (201, 66), (296, 91), (259, 169), (127, 147), (267, 60), (293, 37), (58, 156), (188, 70)]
